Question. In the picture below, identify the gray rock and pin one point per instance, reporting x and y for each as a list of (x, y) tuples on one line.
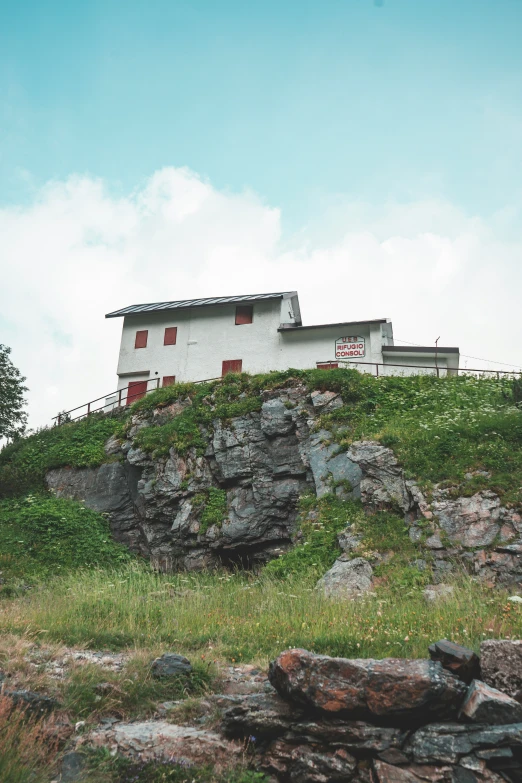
[(438, 592), (109, 490), (31, 701), (170, 665), (383, 483), (73, 768), (346, 578), (348, 540), (328, 399), (459, 660), (484, 704), (448, 742), (329, 467), (158, 740), (303, 764), (434, 542), (501, 665), (470, 522), (276, 419)]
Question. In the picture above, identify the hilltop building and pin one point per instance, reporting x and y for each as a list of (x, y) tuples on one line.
[(200, 339)]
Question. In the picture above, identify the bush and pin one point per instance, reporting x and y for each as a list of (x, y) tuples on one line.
[(43, 535), (24, 463)]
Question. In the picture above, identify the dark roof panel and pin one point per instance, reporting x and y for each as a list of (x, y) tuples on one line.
[(186, 303), (417, 349), (290, 328)]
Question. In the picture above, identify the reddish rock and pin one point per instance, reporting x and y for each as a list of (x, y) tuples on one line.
[(484, 704), (303, 764), (385, 773), (393, 687), (461, 661)]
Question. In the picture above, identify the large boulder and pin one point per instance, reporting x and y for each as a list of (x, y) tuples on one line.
[(347, 578), (406, 690)]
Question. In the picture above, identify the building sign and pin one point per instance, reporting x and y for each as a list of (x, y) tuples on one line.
[(349, 348)]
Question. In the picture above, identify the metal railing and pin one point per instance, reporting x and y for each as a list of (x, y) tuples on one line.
[(435, 370), (121, 400)]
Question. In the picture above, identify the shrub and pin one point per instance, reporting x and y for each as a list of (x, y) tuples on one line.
[(24, 463), (42, 535)]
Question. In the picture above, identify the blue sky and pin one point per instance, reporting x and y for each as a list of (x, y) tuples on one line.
[(160, 149), (299, 100)]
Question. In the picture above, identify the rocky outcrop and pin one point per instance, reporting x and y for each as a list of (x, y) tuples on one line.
[(263, 461), (313, 731)]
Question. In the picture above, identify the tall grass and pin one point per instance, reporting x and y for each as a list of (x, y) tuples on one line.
[(242, 617), (26, 747)]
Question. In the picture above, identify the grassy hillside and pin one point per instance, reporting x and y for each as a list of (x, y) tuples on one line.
[(440, 428), (85, 590)]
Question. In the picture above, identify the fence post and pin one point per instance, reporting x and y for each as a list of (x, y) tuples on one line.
[(157, 382), (88, 409), (119, 398), (376, 369)]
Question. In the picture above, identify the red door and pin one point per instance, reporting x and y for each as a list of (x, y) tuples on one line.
[(233, 365), (136, 390)]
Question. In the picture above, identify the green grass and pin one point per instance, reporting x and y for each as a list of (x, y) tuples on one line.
[(316, 542), (107, 769), (317, 548), (24, 463), (251, 618), (90, 693), (41, 535), (440, 428)]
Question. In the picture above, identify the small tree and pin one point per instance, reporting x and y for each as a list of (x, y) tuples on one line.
[(13, 418)]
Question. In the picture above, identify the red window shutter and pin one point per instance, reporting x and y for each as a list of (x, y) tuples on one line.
[(233, 365), (244, 314), (141, 339), (171, 334), (136, 390), (327, 366), (168, 380)]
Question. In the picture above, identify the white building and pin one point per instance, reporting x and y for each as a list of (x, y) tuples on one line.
[(201, 339)]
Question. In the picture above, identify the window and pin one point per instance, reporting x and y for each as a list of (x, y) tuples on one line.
[(233, 365), (244, 314), (171, 333), (168, 380), (327, 365), (141, 339)]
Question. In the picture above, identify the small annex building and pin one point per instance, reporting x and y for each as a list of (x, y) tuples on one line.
[(202, 339)]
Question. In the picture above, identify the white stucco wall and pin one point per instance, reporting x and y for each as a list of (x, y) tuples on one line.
[(207, 336)]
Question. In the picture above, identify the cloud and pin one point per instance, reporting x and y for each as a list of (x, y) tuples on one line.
[(78, 251)]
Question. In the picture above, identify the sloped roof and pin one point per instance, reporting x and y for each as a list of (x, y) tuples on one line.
[(186, 303)]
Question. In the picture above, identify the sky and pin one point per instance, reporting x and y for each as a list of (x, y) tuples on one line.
[(160, 149)]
